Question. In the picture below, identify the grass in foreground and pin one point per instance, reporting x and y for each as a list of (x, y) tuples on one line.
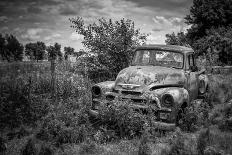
[(43, 126)]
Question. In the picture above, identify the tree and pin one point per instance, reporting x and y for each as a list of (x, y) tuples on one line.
[(217, 45), (3, 51), (10, 48), (207, 14), (14, 48), (109, 42), (211, 22), (79, 53), (210, 31), (36, 51), (54, 52), (68, 51), (179, 39)]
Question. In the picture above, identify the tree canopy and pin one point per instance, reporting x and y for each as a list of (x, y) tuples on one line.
[(11, 48), (109, 42), (35, 51), (54, 52), (68, 51), (3, 51), (210, 31), (177, 39), (207, 14), (14, 47)]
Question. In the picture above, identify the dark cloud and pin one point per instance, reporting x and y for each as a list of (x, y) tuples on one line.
[(94, 4), (34, 9), (33, 20), (168, 5), (67, 12), (3, 19), (73, 7), (28, 2)]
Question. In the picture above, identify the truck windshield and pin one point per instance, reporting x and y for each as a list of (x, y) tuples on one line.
[(158, 58)]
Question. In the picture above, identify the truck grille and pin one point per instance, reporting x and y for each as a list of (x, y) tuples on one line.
[(125, 92)]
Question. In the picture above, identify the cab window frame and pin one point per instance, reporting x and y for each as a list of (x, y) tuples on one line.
[(189, 57)]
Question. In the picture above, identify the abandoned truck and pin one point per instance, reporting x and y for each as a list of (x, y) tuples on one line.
[(164, 77)]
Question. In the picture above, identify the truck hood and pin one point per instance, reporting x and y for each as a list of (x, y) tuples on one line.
[(146, 76)]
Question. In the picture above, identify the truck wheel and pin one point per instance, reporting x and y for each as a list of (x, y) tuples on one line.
[(202, 87)]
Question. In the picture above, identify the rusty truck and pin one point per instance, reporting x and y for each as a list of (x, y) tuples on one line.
[(164, 77)]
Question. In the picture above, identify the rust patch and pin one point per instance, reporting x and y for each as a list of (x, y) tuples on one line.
[(161, 77)]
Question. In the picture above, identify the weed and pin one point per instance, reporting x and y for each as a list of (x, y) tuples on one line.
[(30, 148), (121, 118)]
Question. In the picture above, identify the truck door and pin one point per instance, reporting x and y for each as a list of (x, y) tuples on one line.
[(192, 77)]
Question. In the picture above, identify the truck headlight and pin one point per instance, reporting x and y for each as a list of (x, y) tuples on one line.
[(167, 100), (96, 91), (155, 101)]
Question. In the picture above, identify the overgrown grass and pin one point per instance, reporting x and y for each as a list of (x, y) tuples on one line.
[(60, 124), (220, 89)]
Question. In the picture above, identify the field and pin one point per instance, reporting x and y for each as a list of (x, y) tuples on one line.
[(44, 116)]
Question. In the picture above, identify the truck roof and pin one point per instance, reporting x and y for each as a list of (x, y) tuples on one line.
[(181, 49)]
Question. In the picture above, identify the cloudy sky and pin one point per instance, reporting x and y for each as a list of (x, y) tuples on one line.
[(47, 20)]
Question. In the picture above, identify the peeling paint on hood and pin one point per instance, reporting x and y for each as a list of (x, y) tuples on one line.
[(147, 75)]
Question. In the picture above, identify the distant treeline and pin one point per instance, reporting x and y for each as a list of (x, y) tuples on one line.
[(12, 50)]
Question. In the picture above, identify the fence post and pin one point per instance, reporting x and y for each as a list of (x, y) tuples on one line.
[(53, 80)]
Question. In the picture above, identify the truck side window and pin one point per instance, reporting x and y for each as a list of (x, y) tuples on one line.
[(190, 61)]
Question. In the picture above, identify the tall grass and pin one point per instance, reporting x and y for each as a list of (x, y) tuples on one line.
[(61, 123), (25, 90)]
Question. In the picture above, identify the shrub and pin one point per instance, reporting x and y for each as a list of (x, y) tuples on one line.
[(67, 122), (220, 89), (30, 148), (18, 105), (46, 149), (221, 116), (26, 91), (124, 120), (144, 148), (88, 147), (214, 141), (181, 144), (36, 147), (3, 145), (195, 116)]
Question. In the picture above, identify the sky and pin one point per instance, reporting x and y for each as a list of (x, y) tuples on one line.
[(48, 20)]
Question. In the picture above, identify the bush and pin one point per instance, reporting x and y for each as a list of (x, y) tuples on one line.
[(120, 117), (67, 122), (46, 149), (26, 91), (214, 141), (220, 89), (88, 147), (18, 104), (195, 116), (30, 148), (181, 144), (221, 116), (36, 147)]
